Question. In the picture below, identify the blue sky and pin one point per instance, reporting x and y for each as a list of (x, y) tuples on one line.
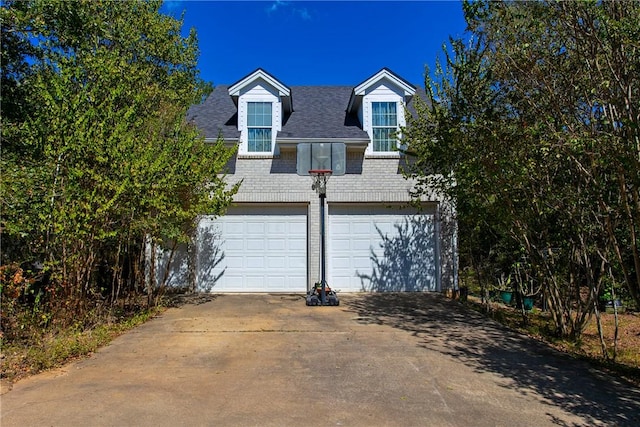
[(319, 42)]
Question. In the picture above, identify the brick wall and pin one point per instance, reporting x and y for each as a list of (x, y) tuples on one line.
[(368, 179)]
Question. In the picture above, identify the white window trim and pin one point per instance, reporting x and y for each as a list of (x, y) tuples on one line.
[(243, 121), (374, 127), (270, 127), (368, 123)]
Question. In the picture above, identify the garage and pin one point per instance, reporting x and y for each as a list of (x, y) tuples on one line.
[(253, 248), (379, 248)]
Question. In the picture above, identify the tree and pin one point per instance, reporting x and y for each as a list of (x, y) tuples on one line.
[(532, 129), (97, 154)]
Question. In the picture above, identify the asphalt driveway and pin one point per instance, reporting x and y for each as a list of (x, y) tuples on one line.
[(376, 360)]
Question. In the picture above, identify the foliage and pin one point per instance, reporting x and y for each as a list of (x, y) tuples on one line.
[(48, 349), (532, 129), (98, 160)]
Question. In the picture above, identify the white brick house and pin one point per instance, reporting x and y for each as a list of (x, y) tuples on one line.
[(269, 239)]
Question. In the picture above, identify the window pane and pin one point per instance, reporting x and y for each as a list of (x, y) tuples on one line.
[(384, 121), (259, 140), (258, 114), (259, 126), (384, 114), (383, 140)]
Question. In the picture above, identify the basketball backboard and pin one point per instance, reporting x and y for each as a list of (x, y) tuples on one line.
[(321, 156)]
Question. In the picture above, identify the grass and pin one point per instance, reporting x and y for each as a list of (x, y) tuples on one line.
[(52, 349)]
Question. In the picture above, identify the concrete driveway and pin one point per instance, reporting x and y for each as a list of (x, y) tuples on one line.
[(376, 360)]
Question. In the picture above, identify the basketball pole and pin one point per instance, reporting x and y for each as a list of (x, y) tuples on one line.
[(323, 294)]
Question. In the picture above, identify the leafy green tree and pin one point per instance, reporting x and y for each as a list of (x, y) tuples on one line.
[(98, 159), (532, 129)]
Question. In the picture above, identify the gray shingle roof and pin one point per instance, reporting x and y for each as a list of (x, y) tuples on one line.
[(217, 114), (318, 112)]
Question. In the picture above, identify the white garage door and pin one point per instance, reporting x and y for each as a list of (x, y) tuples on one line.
[(381, 249), (254, 249)]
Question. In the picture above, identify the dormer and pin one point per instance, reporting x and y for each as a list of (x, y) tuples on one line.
[(380, 103), (263, 103)]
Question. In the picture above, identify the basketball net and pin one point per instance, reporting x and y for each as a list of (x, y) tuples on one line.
[(320, 178)]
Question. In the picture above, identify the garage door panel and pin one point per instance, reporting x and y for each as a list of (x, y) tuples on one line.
[(383, 229), (254, 228), (276, 227), (274, 283), (361, 229), (293, 284), (234, 261), (234, 228), (298, 245), (361, 244), (297, 262), (384, 249), (235, 244), (276, 244), (276, 262), (254, 281), (340, 228), (339, 262), (341, 244), (252, 249), (298, 228), (255, 262), (361, 262), (234, 281), (255, 245)]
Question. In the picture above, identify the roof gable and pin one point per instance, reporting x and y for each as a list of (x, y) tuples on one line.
[(406, 88), (256, 77)]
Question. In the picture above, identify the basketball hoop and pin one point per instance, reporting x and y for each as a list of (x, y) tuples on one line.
[(320, 178), (321, 160)]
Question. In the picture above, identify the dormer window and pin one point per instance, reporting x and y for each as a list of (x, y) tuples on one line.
[(379, 102), (259, 123), (384, 124), (262, 102)]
